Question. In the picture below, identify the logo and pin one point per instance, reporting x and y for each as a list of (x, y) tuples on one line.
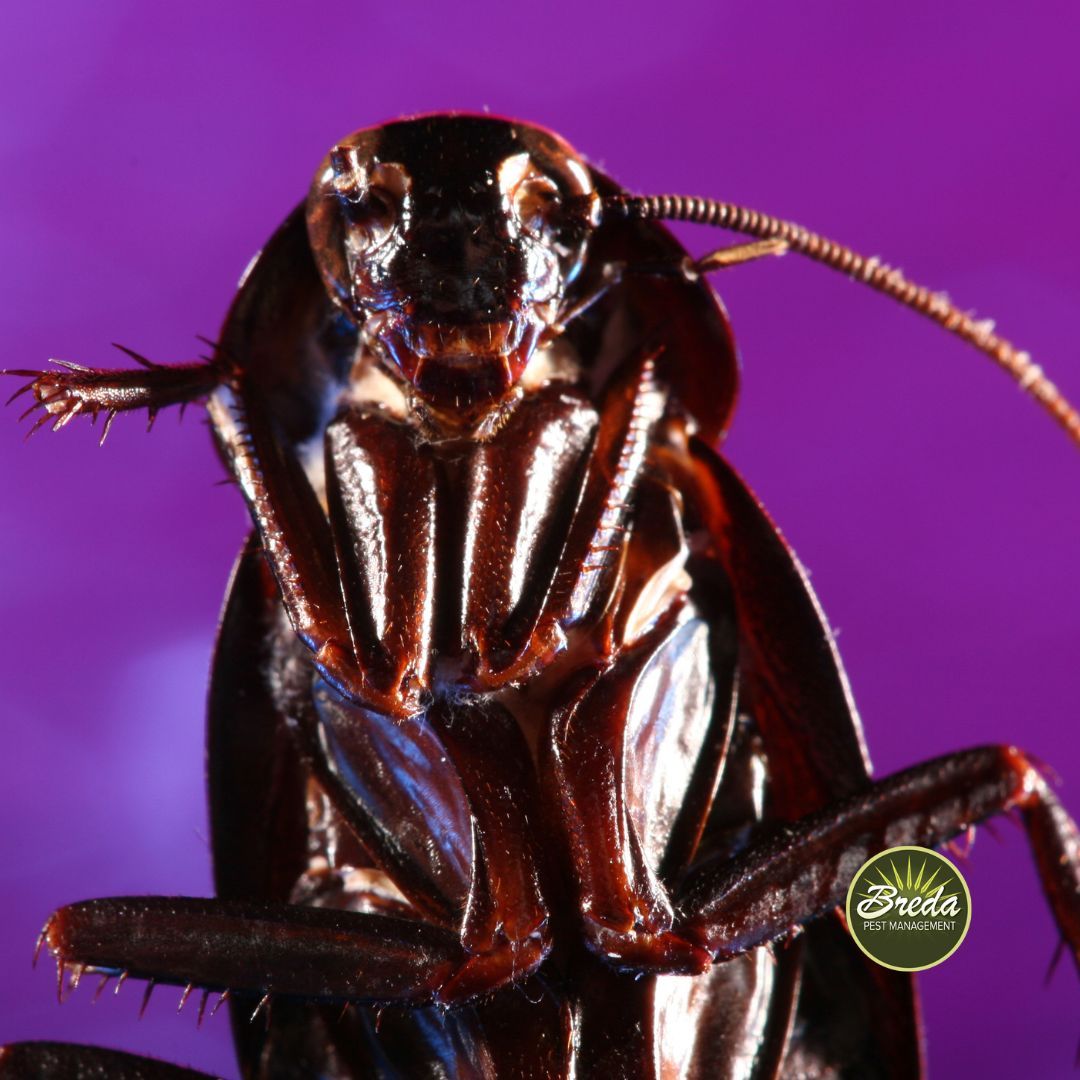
[(908, 908)]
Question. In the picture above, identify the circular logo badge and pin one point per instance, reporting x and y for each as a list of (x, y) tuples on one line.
[(908, 908)]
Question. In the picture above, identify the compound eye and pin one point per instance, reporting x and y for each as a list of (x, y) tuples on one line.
[(373, 197), (372, 215), (533, 198), (536, 204)]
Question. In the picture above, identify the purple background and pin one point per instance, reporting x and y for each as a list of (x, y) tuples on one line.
[(146, 156)]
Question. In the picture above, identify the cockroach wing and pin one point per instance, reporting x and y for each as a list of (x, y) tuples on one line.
[(256, 784), (798, 690), (255, 777), (862, 1016), (283, 334)]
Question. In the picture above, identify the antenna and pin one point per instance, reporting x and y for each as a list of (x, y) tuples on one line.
[(873, 272)]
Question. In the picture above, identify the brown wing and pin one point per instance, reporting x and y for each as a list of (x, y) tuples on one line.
[(853, 1015), (283, 330)]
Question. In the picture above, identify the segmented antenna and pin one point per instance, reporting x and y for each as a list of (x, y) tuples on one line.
[(873, 272)]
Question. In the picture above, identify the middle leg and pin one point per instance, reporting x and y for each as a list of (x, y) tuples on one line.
[(271, 947)]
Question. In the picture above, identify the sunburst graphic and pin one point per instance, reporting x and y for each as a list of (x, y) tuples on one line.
[(913, 908), (912, 886)]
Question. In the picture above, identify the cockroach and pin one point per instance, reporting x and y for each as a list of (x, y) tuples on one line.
[(530, 752)]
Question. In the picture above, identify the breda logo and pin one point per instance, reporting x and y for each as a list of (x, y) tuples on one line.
[(908, 908)]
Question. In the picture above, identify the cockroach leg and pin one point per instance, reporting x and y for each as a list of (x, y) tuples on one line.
[(329, 953), (69, 1061), (272, 948), (505, 929), (584, 578), (259, 947), (783, 881), (299, 547), (61, 395), (624, 906), (620, 829), (737, 254)]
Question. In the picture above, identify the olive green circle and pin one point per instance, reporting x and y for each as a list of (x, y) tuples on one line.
[(898, 942)]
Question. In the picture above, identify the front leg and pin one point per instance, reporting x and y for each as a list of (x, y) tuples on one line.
[(298, 543), (63, 394)]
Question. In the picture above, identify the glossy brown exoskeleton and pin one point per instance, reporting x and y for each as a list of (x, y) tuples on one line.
[(527, 739)]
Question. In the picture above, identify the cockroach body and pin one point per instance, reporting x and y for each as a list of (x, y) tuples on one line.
[(528, 742)]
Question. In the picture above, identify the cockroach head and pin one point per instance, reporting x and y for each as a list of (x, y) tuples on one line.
[(452, 239)]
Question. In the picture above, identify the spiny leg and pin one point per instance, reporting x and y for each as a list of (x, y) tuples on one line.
[(587, 571), (471, 839), (69, 1061), (505, 927), (266, 948), (63, 394), (257, 948), (782, 882), (613, 763), (298, 543)]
